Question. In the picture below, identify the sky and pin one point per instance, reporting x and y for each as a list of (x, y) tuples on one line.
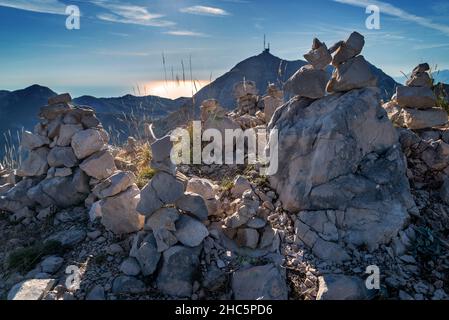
[(131, 47)]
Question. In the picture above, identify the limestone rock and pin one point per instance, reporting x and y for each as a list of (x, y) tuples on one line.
[(100, 165), (66, 133), (162, 189), (341, 287), (247, 237), (164, 218), (341, 153), (144, 249), (190, 232), (319, 57), (415, 97), (62, 157), (353, 74), (52, 264), (416, 119), (87, 142), (349, 49), (307, 82), (204, 187), (115, 184), (119, 213), (241, 184), (61, 98), (130, 267), (34, 289), (193, 204), (33, 141), (178, 271), (127, 284), (420, 80), (265, 282), (35, 165)]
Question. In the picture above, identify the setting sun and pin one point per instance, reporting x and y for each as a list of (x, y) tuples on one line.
[(174, 89)]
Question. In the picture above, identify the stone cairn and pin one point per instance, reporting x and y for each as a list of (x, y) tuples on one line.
[(247, 97), (273, 99), (69, 163), (247, 216), (174, 230), (338, 206), (414, 105)]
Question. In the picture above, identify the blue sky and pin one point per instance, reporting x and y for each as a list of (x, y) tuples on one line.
[(120, 43)]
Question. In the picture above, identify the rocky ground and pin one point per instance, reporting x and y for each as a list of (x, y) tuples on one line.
[(353, 194)]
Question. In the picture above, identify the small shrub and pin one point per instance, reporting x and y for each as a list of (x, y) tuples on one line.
[(144, 176), (24, 259)]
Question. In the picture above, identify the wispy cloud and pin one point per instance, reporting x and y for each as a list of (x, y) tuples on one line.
[(205, 11), (42, 6), (392, 10), (185, 33), (130, 14)]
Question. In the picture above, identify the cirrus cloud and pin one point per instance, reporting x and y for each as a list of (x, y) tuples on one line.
[(205, 11), (41, 6)]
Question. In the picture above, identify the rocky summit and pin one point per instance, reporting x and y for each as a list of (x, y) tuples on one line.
[(361, 186)]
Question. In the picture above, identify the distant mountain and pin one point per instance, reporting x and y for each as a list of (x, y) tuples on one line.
[(19, 109), (263, 69)]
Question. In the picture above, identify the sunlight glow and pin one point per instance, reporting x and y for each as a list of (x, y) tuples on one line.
[(173, 89)]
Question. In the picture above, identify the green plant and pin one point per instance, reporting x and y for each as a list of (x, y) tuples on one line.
[(144, 176), (24, 259)]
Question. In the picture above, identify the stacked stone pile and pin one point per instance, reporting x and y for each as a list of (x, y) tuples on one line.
[(273, 99), (174, 230), (310, 81), (414, 105), (69, 162), (352, 71), (341, 170), (247, 97), (247, 217)]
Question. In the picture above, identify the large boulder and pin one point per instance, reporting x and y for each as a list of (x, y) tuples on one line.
[(179, 270), (341, 153), (265, 282), (119, 213)]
